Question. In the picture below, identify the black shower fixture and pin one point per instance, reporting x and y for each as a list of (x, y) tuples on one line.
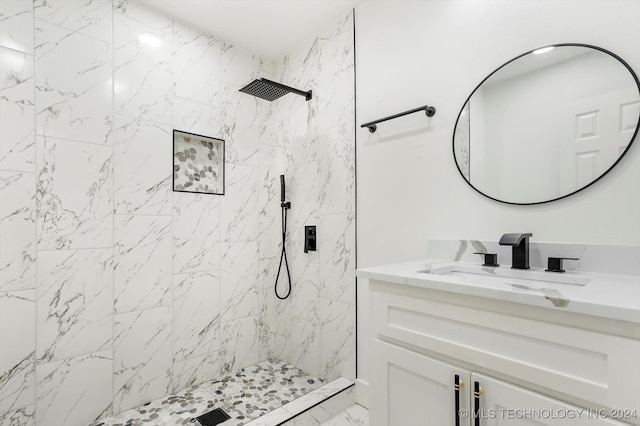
[(284, 205), (271, 90)]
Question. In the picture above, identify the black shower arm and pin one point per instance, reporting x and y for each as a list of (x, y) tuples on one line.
[(308, 95), (429, 110)]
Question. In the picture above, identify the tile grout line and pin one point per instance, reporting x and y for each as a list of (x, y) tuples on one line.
[(172, 231), (113, 216), (35, 216)]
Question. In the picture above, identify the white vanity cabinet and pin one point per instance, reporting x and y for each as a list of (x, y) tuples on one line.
[(534, 365), (412, 389)]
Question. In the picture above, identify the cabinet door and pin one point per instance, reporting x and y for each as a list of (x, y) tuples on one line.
[(504, 404), (410, 389)]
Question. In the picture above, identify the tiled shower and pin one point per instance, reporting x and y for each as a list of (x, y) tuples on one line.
[(114, 290)]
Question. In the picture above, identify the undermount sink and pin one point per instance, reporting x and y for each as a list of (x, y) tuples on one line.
[(483, 274)]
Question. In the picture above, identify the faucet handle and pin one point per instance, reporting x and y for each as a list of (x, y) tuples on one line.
[(554, 264), (490, 259)]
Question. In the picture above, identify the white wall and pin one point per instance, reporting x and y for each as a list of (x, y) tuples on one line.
[(409, 53)]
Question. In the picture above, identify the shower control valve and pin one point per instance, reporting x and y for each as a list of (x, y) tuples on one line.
[(309, 238)]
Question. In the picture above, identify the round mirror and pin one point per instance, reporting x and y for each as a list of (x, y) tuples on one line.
[(547, 124)]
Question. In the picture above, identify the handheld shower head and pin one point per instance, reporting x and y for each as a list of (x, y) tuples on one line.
[(284, 204), (282, 188)]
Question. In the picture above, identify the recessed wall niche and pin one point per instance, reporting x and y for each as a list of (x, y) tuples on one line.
[(198, 163)]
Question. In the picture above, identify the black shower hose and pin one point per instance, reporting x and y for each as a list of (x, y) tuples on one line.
[(283, 255)]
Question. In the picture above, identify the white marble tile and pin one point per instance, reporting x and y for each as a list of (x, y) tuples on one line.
[(269, 134), (23, 417), (305, 346), (17, 349), (143, 84), (294, 129), (336, 249), (196, 370), (274, 346), (313, 417), (17, 109), (74, 194), (142, 357), (302, 134), (196, 232), (356, 415), (335, 78), (303, 190), (298, 117), (75, 303), (332, 406), (196, 65), (142, 262), (337, 340), (273, 417), (16, 25), (300, 68), (269, 249), (201, 119), (330, 388), (305, 289), (305, 276), (333, 398), (269, 189), (92, 18), (17, 231), (239, 206), (239, 286), (282, 141), (63, 395), (275, 326), (142, 167), (238, 66), (241, 126), (337, 170), (239, 343), (73, 92), (140, 11), (276, 313), (196, 314)]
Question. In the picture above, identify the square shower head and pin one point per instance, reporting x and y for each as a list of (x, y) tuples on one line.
[(264, 89), (271, 90)]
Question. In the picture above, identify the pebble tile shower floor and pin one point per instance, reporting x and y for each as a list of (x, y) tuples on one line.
[(245, 396)]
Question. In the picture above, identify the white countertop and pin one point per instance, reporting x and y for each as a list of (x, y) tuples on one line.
[(606, 295)]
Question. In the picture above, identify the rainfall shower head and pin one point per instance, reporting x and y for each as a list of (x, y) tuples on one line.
[(270, 90)]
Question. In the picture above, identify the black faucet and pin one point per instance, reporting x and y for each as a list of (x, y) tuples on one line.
[(520, 251)]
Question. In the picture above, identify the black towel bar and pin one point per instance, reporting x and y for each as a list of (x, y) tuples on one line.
[(429, 110)]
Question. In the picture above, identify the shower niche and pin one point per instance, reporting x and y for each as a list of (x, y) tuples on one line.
[(198, 163)]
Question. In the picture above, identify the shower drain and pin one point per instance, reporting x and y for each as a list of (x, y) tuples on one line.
[(213, 418)]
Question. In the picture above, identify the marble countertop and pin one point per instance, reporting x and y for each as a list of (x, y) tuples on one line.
[(606, 295)]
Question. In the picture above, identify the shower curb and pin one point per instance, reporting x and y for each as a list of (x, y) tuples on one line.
[(320, 404)]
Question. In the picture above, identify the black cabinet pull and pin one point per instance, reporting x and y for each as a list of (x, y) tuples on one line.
[(477, 391), (456, 391)]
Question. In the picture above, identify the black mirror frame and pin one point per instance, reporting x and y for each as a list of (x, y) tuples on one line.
[(633, 138)]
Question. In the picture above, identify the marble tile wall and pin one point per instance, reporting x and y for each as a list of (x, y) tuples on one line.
[(114, 290), (314, 147)]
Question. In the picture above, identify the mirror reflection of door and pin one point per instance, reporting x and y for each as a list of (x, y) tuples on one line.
[(597, 133), (545, 126)]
